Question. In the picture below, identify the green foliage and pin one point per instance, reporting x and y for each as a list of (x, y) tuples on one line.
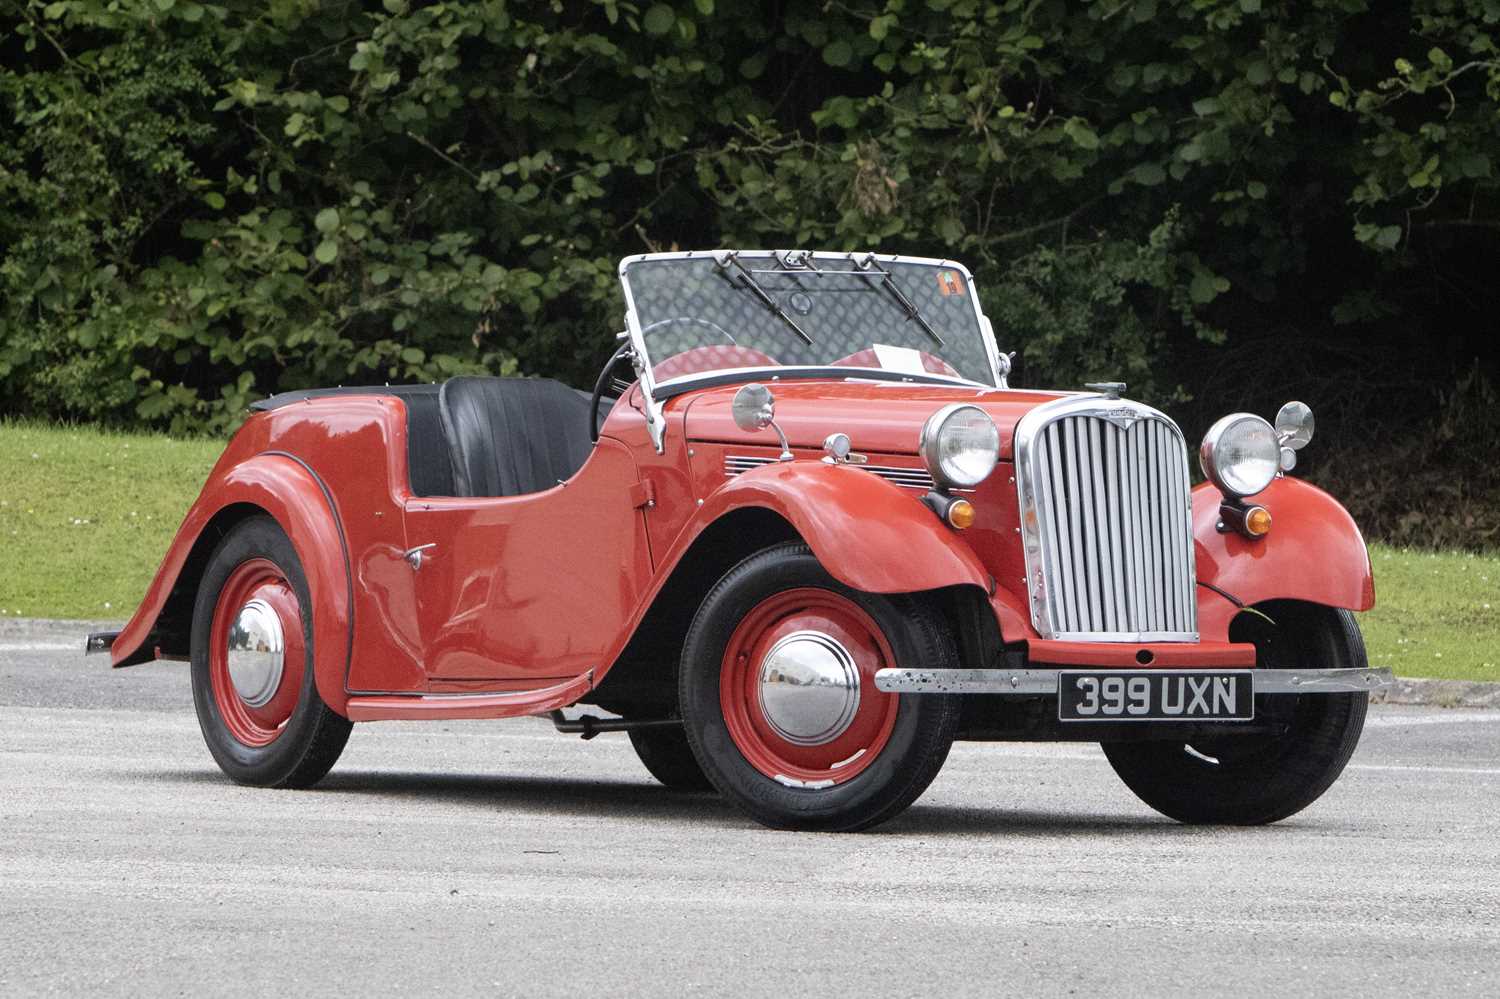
[(204, 203)]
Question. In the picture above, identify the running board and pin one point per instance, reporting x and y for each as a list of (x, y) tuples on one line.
[(506, 704), (1042, 682)]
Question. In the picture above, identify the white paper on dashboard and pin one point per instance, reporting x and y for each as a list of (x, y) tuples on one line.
[(903, 359)]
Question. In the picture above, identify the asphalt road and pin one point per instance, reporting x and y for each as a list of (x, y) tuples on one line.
[(499, 858)]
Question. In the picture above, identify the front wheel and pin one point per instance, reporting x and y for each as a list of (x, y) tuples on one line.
[(252, 663), (1256, 779), (778, 695)]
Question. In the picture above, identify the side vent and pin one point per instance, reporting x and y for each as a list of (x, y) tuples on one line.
[(909, 478)]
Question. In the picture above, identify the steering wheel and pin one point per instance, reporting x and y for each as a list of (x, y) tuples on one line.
[(691, 321), (603, 382)]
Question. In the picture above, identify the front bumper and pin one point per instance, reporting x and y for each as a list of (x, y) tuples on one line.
[(1043, 682)]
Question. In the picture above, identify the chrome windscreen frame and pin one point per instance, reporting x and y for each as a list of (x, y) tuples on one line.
[(1031, 484), (655, 419)]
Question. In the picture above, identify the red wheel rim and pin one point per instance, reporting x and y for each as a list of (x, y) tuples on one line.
[(256, 595), (822, 615)]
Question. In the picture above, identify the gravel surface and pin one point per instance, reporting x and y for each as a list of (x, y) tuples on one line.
[(499, 858)]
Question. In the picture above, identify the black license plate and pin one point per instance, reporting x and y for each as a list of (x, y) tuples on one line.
[(1155, 695)]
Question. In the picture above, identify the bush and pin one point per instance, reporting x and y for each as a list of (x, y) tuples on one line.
[(204, 203)]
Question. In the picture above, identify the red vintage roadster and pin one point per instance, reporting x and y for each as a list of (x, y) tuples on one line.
[(800, 537)]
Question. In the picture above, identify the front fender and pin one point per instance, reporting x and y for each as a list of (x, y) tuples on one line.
[(282, 486), (868, 533), (1314, 551)]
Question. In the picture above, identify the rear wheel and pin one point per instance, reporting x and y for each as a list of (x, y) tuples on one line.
[(778, 695), (1252, 780), (666, 754), (252, 656)]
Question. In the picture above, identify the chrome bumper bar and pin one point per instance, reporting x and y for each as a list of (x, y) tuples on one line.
[(1034, 682)]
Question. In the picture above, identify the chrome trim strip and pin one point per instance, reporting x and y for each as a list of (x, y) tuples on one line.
[(911, 478), (1034, 682), (1106, 524)]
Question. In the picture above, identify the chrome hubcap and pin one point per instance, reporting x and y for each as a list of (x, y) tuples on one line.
[(809, 688), (257, 652)]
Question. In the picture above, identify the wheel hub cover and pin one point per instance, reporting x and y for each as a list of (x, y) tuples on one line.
[(257, 652), (809, 688)]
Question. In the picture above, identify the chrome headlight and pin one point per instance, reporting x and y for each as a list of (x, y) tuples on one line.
[(1240, 454), (959, 445)]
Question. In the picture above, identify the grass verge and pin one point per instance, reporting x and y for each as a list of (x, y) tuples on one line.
[(86, 515)]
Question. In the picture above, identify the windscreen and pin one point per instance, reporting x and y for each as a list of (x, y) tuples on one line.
[(754, 309)]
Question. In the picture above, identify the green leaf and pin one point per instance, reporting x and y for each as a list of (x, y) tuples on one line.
[(644, 167), (1148, 174), (1203, 289), (1256, 190), (1258, 73), (705, 7), (327, 252), (659, 19), (1082, 135), (327, 221), (752, 67), (412, 355), (214, 200), (838, 53)]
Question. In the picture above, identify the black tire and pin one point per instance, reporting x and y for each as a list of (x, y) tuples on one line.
[(666, 754), (1259, 779), (903, 765), (306, 745)]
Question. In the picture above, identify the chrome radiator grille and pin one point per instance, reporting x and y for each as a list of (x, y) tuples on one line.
[(1107, 522)]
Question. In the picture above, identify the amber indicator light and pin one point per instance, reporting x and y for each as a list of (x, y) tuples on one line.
[(1257, 521), (961, 514)]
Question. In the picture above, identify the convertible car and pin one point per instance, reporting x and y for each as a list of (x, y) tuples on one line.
[(800, 537)]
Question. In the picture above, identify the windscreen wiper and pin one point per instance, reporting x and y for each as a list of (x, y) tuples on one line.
[(731, 258), (888, 282)]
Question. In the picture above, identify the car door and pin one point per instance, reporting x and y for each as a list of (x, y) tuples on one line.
[(534, 587)]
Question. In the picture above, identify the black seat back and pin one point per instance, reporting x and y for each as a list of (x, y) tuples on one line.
[(511, 436)]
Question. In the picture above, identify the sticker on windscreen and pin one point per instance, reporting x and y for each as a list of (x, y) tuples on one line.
[(950, 283), (902, 359)]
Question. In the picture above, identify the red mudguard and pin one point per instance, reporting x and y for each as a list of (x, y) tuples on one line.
[(1314, 553), (283, 487)]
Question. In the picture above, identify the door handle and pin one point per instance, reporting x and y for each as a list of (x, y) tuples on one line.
[(414, 556)]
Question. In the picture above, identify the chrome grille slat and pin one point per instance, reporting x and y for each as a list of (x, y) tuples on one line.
[(1106, 522), (1063, 571)]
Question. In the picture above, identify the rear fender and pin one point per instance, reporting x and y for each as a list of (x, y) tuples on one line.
[(283, 487), (868, 533), (1314, 551)]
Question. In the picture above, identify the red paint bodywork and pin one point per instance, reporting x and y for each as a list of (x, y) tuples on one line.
[(1314, 551), (525, 603)]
